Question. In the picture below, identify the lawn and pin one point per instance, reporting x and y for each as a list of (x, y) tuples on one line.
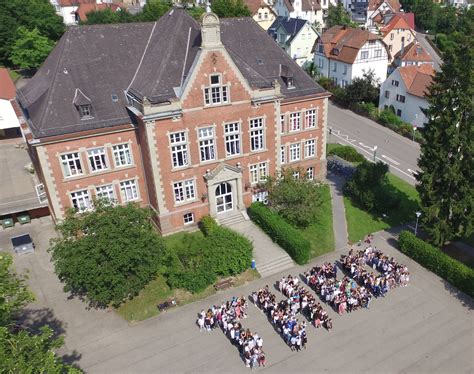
[(321, 234), (157, 291), (360, 222)]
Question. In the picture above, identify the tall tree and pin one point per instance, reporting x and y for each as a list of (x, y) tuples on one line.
[(30, 14), (108, 254), (339, 16), (426, 12), (363, 89), (20, 350), (30, 49), (447, 168), (230, 8), (153, 10)]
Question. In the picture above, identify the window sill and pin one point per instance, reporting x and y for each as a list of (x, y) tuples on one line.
[(209, 106), (95, 173), (187, 202), (258, 151)]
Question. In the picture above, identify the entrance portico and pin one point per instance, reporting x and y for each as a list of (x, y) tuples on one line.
[(224, 186)]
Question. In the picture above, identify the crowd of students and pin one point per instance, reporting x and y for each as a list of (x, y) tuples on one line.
[(282, 315), (343, 295), (390, 273), (305, 302), (227, 316)]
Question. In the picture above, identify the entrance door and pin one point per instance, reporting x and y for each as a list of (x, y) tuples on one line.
[(224, 198)]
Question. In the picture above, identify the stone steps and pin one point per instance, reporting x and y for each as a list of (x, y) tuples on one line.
[(275, 266), (232, 219)]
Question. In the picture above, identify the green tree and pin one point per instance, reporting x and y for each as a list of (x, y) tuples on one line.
[(339, 16), (30, 49), (21, 351), (295, 199), (30, 14), (426, 14), (446, 162), (196, 12), (108, 254), (363, 89), (447, 20), (230, 8), (312, 70), (14, 294), (154, 10), (108, 15)]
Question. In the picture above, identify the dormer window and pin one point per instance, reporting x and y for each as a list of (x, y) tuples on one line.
[(85, 111), (217, 93), (335, 51), (290, 82)]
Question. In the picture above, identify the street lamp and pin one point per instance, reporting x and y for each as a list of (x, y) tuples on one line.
[(330, 133), (418, 214), (375, 153), (415, 126)]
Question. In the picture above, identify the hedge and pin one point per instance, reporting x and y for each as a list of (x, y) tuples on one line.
[(347, 153), (432, 258), (281, 232)]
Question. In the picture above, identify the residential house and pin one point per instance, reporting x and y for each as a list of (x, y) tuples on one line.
[(461, 3), (344, 53), (313, 11), (412, 54), (405, 90), (262, 13), (397, 34), (364, 11), (73, 11), (9, 124), (185, 117), (296, 36)]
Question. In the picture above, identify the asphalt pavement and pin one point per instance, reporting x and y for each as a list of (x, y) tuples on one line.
[(427, 46), (373, 140)]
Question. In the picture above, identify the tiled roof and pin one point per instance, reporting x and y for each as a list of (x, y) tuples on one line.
[(68, 3), (417, 79), (346, 41), (83, 9), (255, 5), (7, 87), (310, 5), (397, 22), (394, 4), (414, 52), (102, 61)]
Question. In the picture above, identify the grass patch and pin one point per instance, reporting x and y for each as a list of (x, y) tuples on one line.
[(360, 222), (144, 305), (14, 75), (321, 234)]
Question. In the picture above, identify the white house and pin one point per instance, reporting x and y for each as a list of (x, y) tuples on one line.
[(405, 90), (313, 11), (365, 11), (412, 54), (296, 37), (262, 13), (73, 11), (343, 53), (8, 118)]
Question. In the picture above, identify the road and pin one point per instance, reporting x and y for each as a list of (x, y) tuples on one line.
[(427, 46), (400, 153)]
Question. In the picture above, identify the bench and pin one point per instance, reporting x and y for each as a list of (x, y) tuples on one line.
[(167, 304), (224, 284)]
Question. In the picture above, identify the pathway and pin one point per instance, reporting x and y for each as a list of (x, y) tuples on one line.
[(269, 257), (339, 223)]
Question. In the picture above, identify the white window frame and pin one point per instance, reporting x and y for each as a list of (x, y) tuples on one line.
[(233, 144), (129, 190), (106, 191), (310, 173), (311, 118), (295, 152), (310, 148), (71, 164), (283, 154), (216, 93), (207, 144), (97, 159), (364, 53), (184, 191), (282, 123), (81, 200), (179, 149), (258, 172), (295, 122), (188, 218), (122, 155), (257, 134)]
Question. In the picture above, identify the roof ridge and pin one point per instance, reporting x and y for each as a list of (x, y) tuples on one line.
[(52, 85)]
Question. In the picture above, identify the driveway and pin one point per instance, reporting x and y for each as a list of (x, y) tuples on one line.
[(425, 327)]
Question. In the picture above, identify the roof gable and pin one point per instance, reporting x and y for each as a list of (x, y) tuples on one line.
[(414, 52), (417, 79), (397, 22)]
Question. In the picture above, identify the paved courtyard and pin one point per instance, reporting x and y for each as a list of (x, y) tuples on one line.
[(426, 327)]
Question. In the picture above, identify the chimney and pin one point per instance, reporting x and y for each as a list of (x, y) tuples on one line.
[(210, 30)]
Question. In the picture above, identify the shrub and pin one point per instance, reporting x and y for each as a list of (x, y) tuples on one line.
[(387, 117), (347, 153), (453, 271), (369, 189), (194, 281), (281, 232), (366, 109), (207, 225)]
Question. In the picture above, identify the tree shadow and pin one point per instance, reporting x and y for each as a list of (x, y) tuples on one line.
[(33, 319)]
